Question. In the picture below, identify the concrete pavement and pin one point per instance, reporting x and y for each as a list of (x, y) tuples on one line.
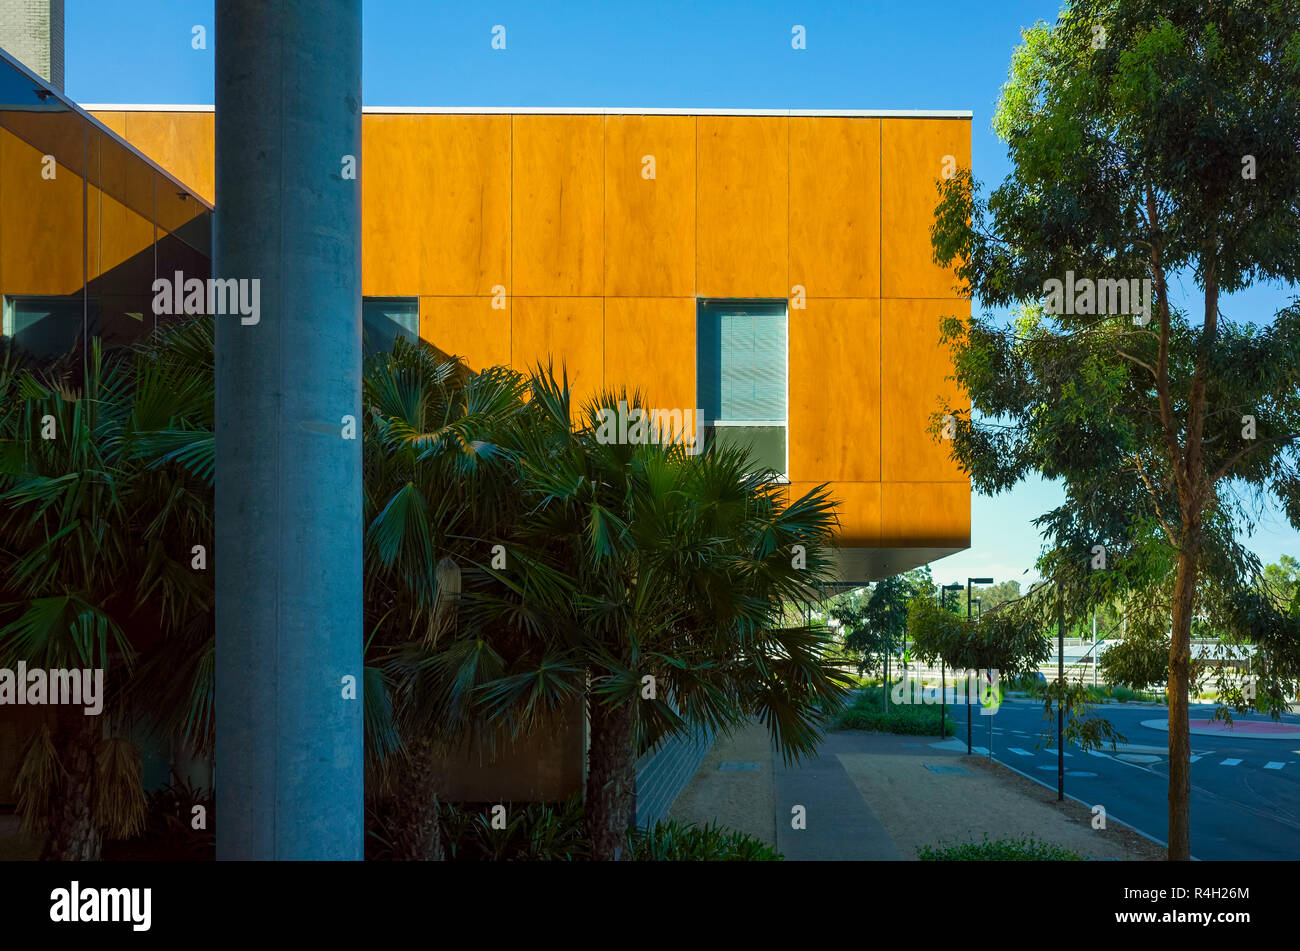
[(869, 796)]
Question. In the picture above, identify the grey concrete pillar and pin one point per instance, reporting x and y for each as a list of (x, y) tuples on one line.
[(289, 757)]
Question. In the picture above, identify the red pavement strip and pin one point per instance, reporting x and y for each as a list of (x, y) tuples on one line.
[(1241, 729)]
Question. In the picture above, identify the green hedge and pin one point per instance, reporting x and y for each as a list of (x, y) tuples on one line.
[(867, 713)]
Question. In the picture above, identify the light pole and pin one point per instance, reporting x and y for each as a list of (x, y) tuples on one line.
[(969, 582), (943, 670), (1060, 702)]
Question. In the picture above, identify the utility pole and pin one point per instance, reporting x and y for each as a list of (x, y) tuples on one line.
[(1095, 655), (943, 671), (1060, 701), (969, 582)]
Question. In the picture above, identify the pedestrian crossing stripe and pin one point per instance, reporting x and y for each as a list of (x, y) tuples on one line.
[(1230, 762), (1194, 759), (1274, 765), (1018, 751)]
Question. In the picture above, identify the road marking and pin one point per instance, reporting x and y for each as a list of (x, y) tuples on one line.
[(1099, 753), (1194, 759), (982, 750), (1274, 765), (1018, 751), (1143, 758), (1230, 762)]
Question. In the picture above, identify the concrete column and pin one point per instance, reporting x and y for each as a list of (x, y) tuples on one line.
[(288, 483)]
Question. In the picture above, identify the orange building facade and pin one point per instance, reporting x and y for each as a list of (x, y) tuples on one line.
[(594, 237)]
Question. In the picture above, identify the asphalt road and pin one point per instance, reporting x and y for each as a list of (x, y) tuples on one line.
[(1245, 801)]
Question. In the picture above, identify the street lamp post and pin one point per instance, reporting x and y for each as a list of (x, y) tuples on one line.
[(969, 582), (943, 670), (1060, 702), (1095, 655)]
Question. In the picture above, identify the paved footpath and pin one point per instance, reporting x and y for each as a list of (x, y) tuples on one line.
[(869, 796), (839, 823)]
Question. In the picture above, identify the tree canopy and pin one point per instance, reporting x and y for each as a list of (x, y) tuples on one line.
[(1152, 142)]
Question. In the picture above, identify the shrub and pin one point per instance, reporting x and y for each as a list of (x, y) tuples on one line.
[(546, 832), (867, 713), (1029, 849), (1032, 683), (169, 834), (534, 832), (673, 841)]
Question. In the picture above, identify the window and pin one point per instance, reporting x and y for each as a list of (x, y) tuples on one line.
[(44, 327), (384, 319), (742, 378)]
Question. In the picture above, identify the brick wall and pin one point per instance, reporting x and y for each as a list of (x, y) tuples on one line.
[(31, 31)]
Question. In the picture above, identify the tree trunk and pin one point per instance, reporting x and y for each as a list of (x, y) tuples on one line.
[(72, 835), (413, 806), (611, 779), (1180, 670)]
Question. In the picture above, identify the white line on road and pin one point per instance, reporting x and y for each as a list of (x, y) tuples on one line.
[(1194, 759), (1274, 765), (1230, 762), (1018, 751)]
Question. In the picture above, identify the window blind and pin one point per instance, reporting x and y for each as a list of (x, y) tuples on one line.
[(741, 355)]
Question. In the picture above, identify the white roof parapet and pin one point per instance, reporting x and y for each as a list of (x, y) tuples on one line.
[(577, 111)]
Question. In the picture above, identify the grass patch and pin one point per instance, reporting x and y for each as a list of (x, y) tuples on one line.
[(867, 712), (1030, 849)]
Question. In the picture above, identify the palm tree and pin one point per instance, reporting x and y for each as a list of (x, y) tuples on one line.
[(514, 564), (638, 560), (442, 489), (105, 488)]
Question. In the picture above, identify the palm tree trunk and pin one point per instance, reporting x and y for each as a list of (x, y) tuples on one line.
[(414, 806), (611, 779), (72, 835)]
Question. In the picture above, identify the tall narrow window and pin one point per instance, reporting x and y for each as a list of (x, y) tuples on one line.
[(741, 373), (384, 319)]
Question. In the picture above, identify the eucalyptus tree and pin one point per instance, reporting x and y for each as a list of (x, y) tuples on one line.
[(1151, 142)]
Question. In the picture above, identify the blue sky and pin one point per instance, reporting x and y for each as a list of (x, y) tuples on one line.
[(920, 54)]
